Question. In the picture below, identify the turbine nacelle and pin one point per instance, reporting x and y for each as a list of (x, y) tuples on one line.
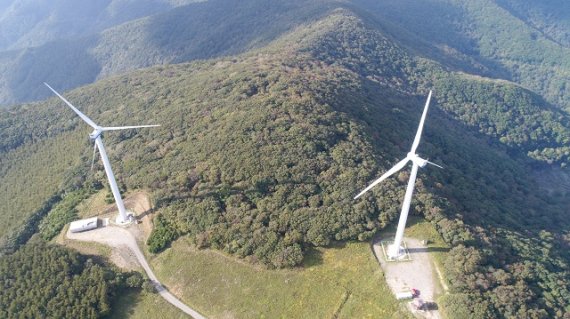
[(417, 160), (95, 134), (98, 130)]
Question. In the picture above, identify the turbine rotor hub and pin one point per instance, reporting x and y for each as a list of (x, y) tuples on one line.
[(95, 134), (417, 160)]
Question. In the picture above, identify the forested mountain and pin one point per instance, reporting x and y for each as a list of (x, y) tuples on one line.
[(550, 17), (29, 23), (55, 39), (196, 31), (492, 38), (260, 153), (508, 39)]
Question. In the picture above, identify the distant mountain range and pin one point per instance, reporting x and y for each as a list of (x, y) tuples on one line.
[(484, 37), (274, 113), (28, 23)]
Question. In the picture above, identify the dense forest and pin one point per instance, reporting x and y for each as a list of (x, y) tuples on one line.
[(48, 281), (260, 154), (520, 41)]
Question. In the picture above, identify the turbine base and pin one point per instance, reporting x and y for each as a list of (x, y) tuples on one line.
[(391, 253), (119, 220)]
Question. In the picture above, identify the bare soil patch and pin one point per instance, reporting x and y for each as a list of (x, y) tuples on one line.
[(121, 243), (117, 238)]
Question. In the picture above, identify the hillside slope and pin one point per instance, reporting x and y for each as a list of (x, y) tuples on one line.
[(549, 17), (260, 155)]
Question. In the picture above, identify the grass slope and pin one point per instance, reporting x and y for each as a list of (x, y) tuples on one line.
[(143, 305), (344, 279)]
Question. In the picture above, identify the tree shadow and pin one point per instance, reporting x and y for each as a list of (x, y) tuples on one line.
[(313, 257), (125, 304), (336, 245)]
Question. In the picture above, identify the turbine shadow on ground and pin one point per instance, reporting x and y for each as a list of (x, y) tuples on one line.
[(145, 213), (428, 249)]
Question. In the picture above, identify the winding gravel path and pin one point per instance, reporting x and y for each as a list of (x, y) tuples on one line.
[(120, 238)]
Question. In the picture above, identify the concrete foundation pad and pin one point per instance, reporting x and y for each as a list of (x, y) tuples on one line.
[(412, 270), (387, 247)]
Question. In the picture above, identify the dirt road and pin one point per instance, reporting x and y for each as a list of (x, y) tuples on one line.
[(122, 239)]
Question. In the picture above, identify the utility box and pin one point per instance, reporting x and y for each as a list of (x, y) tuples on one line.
[(83, 224), (404, 295)]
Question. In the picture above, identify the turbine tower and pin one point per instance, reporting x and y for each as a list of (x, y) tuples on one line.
[(95, 136), (394, 250)]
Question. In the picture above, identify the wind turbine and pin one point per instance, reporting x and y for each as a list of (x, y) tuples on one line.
[(96, 137), (394, 250)]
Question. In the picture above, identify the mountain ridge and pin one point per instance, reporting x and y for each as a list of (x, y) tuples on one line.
[(456, 35)]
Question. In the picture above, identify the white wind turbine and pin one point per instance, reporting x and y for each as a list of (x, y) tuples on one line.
[(96, 136), (394, 251)]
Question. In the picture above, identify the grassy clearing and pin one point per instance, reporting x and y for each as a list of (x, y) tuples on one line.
[(134, 305), (419, 228), (93, 205), (423, 230), (343, 281)]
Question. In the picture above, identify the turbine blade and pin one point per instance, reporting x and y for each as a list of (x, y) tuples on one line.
[(117, 128), (81, 115), (421, 126), (93, 158), (393, 170), (434, 164)]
